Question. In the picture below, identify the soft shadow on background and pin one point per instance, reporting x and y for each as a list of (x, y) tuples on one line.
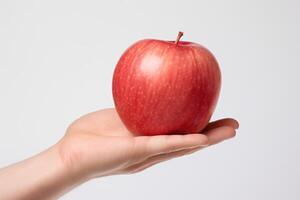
[(57, 60)]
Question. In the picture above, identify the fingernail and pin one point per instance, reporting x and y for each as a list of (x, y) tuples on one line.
[(237, 125)]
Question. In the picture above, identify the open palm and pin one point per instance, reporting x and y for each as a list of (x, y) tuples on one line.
[(98, 144)]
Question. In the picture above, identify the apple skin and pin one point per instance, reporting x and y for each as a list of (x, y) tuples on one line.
[(166, 87)]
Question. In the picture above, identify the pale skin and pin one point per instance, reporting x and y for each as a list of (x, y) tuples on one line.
[(97, 145)]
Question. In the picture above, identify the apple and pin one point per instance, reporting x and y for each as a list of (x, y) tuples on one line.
[(166, 87)]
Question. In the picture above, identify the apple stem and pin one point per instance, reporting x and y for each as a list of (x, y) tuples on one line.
[(180, 34)]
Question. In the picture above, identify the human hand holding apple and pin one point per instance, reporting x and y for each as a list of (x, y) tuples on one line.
[(159, 87), (166, 87)]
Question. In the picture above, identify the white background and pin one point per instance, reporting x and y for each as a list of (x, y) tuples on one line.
[(57, 60)]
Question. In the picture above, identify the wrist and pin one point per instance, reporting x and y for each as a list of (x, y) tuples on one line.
[(43, 176), (54, 178), (70, 175)]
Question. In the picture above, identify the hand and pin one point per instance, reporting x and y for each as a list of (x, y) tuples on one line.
[(98, 144), (95, 145)]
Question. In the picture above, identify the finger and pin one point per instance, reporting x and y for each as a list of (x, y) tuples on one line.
[(222, 122), (214, 136), (154, 145), (219, 134), (160, 158)]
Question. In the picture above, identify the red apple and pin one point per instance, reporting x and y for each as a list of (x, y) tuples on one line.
[(166, 87)]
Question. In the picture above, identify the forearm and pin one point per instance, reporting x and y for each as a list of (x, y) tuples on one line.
[(43, 176)]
